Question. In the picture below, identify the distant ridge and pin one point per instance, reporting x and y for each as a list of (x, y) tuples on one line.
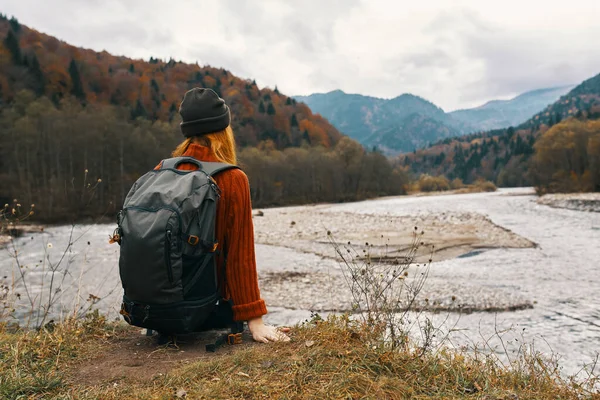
[(408, 122)]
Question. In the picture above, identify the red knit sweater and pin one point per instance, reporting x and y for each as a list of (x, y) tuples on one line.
[(234, 222)]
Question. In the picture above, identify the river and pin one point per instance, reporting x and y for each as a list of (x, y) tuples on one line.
[(560, 276)]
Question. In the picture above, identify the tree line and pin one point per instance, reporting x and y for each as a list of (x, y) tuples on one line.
[(78, 162)]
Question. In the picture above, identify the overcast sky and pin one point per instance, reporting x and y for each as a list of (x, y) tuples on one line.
[(456, 53)]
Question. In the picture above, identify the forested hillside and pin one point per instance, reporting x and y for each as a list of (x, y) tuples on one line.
[(504, 155), (77, 127), (151, 89)]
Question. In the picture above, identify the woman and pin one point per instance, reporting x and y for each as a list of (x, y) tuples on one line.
[(206, 125)]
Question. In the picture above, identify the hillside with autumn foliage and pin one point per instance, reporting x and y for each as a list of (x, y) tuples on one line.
[(78, 127), (519, 156), (151, 89)]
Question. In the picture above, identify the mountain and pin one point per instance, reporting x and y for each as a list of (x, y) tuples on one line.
[(149, 89), (503, 155), (394, 125), (388, 124), (498, 114)]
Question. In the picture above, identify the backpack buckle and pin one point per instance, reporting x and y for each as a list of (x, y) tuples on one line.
[(193, 240), (234, 338)]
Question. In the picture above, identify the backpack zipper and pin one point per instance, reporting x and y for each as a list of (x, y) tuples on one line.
[(168, 256)]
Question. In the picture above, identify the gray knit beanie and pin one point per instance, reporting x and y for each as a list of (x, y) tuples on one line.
[(202, 112)]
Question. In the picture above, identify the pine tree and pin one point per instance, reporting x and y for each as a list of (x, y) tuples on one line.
[(172, 111), (510, 132), (288, 102), (12, 44), (293, 120), (156, 98), (261, 107), (38, 75), (139, 110), (77, 89), (217, 87), (199, 78), (271, 109), (132, 68), (15, 25), (306, 136)]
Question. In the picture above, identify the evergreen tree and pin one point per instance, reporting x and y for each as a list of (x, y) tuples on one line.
[(217, 87), (199, 78), (15, 25), (156, 98), (172, 111), (77, 89), (293, 121), (288, 102), (38, 75), (12, 44), (261, 107), (306, 137), (132, 68), (271, 109), (510, 132), (139, 110)]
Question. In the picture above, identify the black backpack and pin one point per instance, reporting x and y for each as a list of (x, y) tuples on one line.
[(168, 249)]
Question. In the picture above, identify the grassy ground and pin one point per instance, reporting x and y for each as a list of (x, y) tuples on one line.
[(92, 359)]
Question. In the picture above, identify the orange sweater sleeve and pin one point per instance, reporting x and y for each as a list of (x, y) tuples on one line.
[(241, 276)]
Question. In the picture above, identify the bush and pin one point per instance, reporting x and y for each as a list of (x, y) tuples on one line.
[(457, 183), (428, 183), (485, 186)]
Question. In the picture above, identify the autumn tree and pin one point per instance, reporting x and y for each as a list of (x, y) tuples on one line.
[(567, 157)]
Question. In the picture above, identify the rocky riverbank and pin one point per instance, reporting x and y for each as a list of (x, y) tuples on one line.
[(572, 201)]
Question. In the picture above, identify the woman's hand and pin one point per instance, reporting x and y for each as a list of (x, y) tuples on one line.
[(266, 333)]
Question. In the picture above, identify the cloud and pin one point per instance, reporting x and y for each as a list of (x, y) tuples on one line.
[(456, 54)]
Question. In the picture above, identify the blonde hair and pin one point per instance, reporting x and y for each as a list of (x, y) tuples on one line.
[(222, 144)]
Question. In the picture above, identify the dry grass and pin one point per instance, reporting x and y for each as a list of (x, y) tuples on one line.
[(326, 359), (428, 184)]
